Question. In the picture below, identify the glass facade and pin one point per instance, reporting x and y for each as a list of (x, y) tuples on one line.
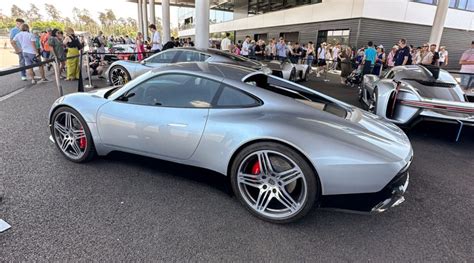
[(256, 7), (333, 37), (467, 5), (186, 17)]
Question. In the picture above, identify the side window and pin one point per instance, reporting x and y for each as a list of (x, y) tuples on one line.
[(191, 56), (163, 57), (390, 74), (174, 90), (231, 97)]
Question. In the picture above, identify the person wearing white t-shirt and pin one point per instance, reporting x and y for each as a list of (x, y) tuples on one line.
[(225, 43), (25, 43), (335, 56), (155, 39), (443, 56), (321, 59), (245, 47)]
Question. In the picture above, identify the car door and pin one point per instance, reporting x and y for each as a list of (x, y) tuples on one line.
[(157, 60), (164, 115)]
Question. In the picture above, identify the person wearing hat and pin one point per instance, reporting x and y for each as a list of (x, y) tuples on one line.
[(467, 66), (379, 61), (391, 56)]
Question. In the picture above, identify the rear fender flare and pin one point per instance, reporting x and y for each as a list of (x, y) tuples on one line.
[(384, 90)]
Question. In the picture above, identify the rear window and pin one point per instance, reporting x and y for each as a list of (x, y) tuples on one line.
[(301, 95)]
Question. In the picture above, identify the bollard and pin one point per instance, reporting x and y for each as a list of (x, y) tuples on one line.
[(88, 86), (57, 73), (80, 83)]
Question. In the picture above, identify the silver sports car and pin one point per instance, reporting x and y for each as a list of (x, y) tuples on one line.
[(283, 146), (406, 95), (287, 70), (122, 71)]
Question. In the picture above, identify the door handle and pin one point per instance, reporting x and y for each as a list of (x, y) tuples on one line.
[(182, 125)]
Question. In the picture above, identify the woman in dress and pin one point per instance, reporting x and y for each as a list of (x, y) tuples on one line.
[(379, 61), (73, 46), (346, 67), (140, 48)]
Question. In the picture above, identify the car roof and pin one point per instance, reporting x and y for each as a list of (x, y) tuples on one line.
[(220, 70)]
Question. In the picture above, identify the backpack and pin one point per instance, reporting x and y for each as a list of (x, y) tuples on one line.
[(96, 42)]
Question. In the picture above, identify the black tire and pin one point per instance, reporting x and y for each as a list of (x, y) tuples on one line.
[(127, 75), (310, 177), (375, 95), (293, 75), (89, 151), (306, 75)]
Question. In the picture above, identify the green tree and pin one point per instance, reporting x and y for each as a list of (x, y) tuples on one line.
[(111, 18), (17, 12), (52, 12), (33, 13)]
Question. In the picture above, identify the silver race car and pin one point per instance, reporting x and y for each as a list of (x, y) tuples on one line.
[(283, 146), (289, 71), (122, 71), (406, 95)]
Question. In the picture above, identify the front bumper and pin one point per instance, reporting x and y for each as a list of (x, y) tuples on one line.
[(390, 196)]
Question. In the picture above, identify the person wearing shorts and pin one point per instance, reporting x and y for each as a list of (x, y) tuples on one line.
[(321, 59), (25, 42)]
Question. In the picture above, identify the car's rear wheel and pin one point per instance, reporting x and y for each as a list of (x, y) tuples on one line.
[(293, 75), (306, 74), (118, 76), (274, 182), (72, 135), (373, 102)]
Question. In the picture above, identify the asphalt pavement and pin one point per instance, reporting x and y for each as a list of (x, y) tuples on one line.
[(123, 207)]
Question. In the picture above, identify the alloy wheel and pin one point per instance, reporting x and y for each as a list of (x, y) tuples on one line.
[(69, 135), (272, 184), (118, 76)]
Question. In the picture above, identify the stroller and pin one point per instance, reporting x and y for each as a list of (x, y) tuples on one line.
[(355, 78)]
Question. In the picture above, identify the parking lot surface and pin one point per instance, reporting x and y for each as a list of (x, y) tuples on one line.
[(125, 207)]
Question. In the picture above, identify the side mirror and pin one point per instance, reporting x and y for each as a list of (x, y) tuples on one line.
[(126, 97), (143, 62)]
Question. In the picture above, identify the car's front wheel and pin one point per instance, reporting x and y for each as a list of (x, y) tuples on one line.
[(274, 182), (72, 135), (118, 76)]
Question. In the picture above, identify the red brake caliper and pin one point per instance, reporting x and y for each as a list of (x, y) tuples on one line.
[(82, 142), (256, 168)]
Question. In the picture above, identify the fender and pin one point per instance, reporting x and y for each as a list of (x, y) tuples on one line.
[(384, 88)]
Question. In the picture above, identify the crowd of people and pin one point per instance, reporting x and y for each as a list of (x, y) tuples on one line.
[(370, 59), (33, 47)]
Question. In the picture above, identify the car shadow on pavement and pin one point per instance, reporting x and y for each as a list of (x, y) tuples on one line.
[(165, 168), (441, 132)]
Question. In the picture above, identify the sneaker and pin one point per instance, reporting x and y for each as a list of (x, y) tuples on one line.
[(24, 78), (33, 81)]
